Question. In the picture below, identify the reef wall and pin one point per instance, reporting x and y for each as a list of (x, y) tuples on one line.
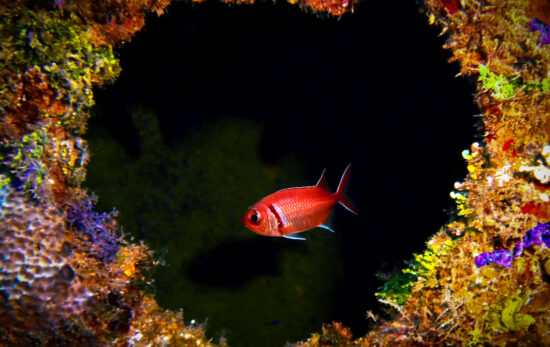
[(67, 275)]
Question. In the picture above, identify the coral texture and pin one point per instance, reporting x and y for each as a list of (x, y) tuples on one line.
[(67, 275), (332, 7), (39, 287)]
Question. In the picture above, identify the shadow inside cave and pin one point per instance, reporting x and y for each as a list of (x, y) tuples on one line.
[(235, 263)]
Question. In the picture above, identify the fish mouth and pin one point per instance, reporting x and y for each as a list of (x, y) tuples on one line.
[(246, 219)]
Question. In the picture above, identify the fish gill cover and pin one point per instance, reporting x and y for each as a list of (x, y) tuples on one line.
[(57, 286)]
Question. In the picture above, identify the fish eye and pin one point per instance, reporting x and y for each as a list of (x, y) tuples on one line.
[(254, 217)]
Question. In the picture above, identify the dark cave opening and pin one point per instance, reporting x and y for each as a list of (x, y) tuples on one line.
[(373, 88)]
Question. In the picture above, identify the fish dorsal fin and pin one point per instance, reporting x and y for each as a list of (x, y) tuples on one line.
[(322, 183)]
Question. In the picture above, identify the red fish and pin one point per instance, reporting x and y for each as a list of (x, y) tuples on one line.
[(293, 210)]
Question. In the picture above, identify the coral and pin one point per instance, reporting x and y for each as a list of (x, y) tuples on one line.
[(538, 25), (45, 166), (332, 7), (64, 276), (99, 228), (67, 276), (500, 257), (397, 289), (538, 235), (48, 66), (334, 334), (27, 164), (36, 270), (508, 316)]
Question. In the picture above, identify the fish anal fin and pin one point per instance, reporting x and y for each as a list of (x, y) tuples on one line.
[(326, 227), (293, 237)]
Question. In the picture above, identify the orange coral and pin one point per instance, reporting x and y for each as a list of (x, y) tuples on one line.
[(117, 20), (334, 334), (334, 7), (29, 96)]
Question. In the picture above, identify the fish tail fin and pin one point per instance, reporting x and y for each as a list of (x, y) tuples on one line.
[(341, 198)]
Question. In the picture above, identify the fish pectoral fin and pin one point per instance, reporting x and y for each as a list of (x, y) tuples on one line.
[(325, 227), (293, 237)]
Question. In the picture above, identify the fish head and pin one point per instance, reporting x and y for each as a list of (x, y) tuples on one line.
[(261, 220)]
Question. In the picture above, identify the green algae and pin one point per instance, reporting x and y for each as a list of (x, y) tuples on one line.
[(60, 48), (505, 316), (26, 162), (422, 270), (505, 87)]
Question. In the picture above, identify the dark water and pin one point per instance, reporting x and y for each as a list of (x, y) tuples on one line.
[(251, 99)]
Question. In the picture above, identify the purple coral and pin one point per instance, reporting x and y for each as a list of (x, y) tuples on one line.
[(538, 25), (500, 257), (539, 235), (97, 226)]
